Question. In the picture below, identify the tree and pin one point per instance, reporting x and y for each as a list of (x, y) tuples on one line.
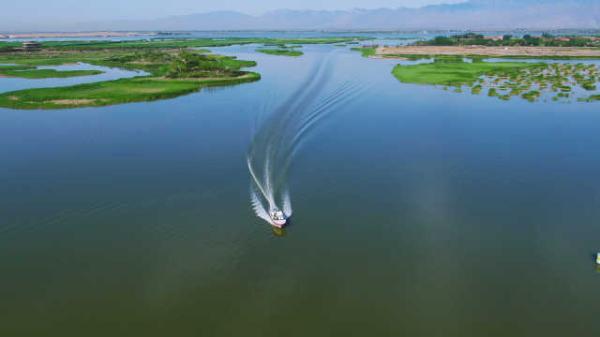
[(547, 35), (442, 41)]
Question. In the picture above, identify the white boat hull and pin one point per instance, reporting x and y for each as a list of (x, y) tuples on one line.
[(278, 223)]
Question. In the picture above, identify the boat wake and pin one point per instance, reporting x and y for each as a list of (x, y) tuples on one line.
[(281, 133)]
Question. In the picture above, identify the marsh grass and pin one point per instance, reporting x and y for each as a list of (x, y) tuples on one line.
[(170, 74), (453, 73), (171, 71), (280, 52), (592, 98), (31, 72), (113, 92), (366, 51), (159, 43), (504, 80)]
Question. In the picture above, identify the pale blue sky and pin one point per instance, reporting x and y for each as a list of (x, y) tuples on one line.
[(12, 10)]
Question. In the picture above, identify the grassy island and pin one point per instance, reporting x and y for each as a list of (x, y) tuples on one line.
[(113, 92), (505, 80), (171, 73), (462, 61), (442, 72), (174, 67), (32, 72), (162, 43), (366, 51), (280, 52)]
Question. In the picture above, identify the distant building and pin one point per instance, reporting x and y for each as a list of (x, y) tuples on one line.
[(494, 38), (31, 46)]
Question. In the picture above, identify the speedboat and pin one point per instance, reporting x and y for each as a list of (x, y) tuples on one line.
[(598, 259), (278, 218)]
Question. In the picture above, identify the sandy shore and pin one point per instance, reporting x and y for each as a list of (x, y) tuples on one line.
[(66, 35), (488, 51)]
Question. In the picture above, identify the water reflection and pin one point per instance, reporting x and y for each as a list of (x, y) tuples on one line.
[(281, 232)]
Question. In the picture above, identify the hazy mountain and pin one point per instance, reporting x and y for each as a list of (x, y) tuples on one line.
[(473, 14)]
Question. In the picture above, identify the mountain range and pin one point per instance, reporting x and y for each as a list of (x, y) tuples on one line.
[(473, 14)]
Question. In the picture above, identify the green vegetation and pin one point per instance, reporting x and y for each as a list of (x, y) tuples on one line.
[(170, 74), (453, 73), (192, 65), (504, 79), (541, 57), (366, 51), (481, 58), (173, 68), (532, 96), (176, 43), (545, 40), (32, 72), (280, 52), (282, 45), (593, 98), (113, 92)]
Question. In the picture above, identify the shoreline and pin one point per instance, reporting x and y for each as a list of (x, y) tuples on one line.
[(517, 51), (96, 34)]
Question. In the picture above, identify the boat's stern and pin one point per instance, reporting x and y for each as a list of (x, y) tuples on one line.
[(279, 223), (278, 218)]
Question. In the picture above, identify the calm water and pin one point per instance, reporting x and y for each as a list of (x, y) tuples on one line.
[(417, 212)]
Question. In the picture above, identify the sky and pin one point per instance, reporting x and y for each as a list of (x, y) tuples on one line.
[(14, 11)]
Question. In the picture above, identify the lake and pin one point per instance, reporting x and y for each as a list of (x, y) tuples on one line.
[(417, 212)]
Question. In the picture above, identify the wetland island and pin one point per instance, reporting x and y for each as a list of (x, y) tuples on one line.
[(171, 68), (501, 66)]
